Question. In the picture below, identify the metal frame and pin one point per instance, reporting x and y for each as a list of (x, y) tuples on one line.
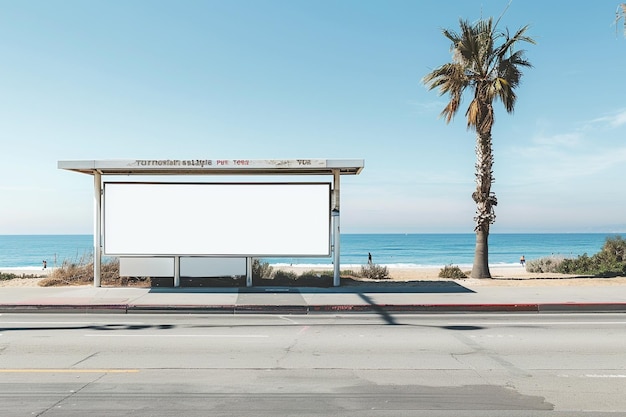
[(186, 167)]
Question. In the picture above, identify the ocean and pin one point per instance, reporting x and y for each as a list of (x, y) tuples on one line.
[(393, 250)]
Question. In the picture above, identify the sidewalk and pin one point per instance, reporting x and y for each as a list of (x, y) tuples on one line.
[(427, 297)]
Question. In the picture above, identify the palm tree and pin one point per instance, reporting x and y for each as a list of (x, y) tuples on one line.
[(491, 71)]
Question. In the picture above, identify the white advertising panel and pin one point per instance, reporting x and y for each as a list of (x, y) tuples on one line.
[(212, 267), (231, 219), (146, 267)]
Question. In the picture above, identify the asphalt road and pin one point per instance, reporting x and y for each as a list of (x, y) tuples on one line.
[(268, 365)]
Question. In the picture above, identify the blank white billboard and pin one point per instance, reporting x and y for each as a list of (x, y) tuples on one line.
[(231, 219)]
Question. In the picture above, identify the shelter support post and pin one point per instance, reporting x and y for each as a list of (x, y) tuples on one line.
[(97, 232), (336, 230), (176, 271), (248, 271)]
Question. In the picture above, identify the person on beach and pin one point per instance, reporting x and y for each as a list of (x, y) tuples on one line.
[(522, 261), (45, 264), (369, 258)]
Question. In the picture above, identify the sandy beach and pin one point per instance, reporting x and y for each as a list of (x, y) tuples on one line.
[(501, 276), (36, 271)]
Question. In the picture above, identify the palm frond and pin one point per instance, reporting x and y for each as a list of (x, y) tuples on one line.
[(451, 108), (484, 61), (620, 13)]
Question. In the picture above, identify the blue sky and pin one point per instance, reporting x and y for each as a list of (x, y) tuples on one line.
[(254, 79)]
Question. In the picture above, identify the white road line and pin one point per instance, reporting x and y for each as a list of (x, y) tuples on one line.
[(67, 371), (91, 323), (535, 323), (236, 336), (605, 376)]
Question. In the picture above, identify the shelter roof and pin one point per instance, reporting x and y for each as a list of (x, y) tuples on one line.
[(215, 166)]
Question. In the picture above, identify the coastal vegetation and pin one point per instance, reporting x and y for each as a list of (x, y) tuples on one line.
[(81, 273), (609, 262), (373, 271), (545, 264), (452, 272), (490, 71), (4, 276), (261, 269), (264, 271)]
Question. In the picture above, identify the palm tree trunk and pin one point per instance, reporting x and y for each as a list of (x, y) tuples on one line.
[(485, 201), (480, 269)]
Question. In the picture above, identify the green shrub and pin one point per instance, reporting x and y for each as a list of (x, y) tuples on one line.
[(285, 275), (373, 271), (261, 270), (609, 262), (543, 265), (7, 276), (583, 264), (453, 272), (614, 250), (312, 274), (595, 265)]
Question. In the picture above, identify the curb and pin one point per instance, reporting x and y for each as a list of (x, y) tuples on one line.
[(582, 307), (63, 308), (316, 309)]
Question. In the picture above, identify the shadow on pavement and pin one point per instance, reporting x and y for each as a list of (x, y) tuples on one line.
[(347, 287)]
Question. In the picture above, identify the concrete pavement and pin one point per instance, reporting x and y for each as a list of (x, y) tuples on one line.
[(429, 296)]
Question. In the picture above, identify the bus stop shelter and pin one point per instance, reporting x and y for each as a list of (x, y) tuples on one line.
[(186, 168)]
